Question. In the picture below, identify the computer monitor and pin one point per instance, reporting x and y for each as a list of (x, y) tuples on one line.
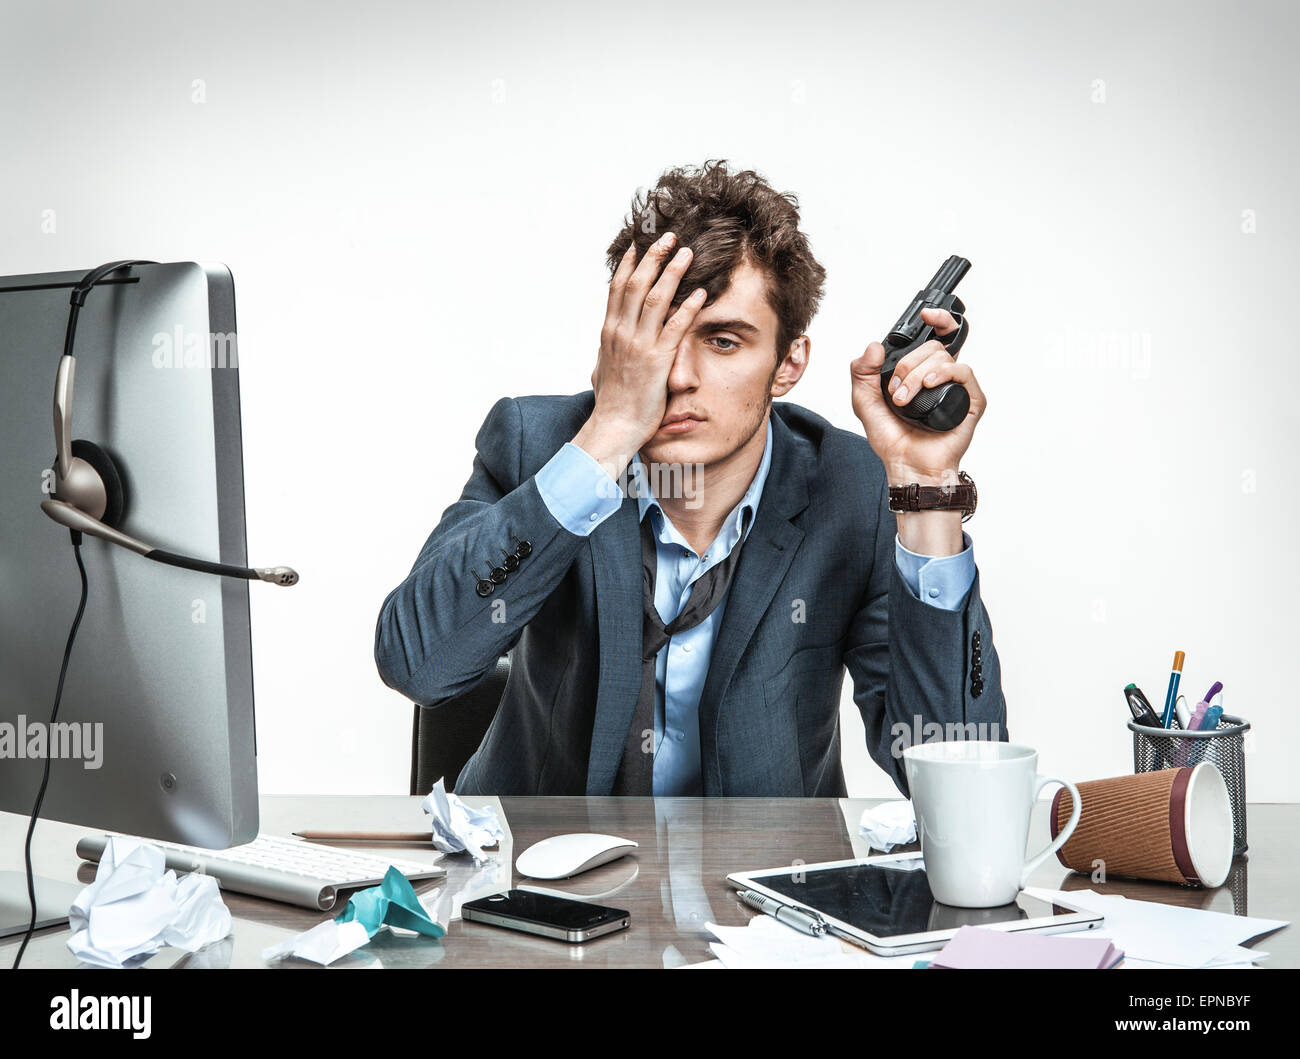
[(155, 734)]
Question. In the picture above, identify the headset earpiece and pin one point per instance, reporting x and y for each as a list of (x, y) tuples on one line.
[(104, 465), (89, 493)]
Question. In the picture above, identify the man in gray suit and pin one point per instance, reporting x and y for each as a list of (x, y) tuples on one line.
[(681, 567)]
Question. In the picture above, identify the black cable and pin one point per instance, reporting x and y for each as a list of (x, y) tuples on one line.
[(83, 287), (45, 779)]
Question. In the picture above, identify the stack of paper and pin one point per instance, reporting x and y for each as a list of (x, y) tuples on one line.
[(1153, 934), (984, 947)]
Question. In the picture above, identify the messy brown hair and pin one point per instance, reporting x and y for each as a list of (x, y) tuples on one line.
[(726, 218)]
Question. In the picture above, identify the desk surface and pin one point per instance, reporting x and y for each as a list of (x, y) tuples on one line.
[(673, 886)]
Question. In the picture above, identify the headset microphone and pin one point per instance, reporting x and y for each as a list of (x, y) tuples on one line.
[(75, 519), (88, 495)]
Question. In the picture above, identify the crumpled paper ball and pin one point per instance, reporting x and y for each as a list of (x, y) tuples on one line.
[(888, 825), (457, 827), (136, 905)]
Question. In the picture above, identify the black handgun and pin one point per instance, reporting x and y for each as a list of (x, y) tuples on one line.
[(941, 407)]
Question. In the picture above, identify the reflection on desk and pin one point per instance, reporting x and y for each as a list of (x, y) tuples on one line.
[(672, 885)]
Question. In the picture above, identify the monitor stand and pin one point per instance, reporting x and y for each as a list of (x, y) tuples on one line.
[(53, 899)]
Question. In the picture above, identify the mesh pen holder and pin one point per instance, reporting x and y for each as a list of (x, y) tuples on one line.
[(1224, 748)]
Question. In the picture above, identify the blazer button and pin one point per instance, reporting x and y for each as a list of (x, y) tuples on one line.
[(524, 549), (498, 575), (510, 562), (484, 587), (976, 688)]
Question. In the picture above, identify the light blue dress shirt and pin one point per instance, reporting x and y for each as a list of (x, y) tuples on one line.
[(580, 496)]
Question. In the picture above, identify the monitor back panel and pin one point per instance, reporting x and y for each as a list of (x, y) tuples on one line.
[(156, 729)]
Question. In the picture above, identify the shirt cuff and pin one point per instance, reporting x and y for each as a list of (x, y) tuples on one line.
[(577, 491), (940, 581)]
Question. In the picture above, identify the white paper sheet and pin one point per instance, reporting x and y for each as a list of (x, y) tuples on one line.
[(767, 943)]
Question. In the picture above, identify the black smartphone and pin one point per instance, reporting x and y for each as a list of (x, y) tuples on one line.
[(550, 917)]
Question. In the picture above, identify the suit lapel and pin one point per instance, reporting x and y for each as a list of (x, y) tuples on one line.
[(768, 552), (616, 561)]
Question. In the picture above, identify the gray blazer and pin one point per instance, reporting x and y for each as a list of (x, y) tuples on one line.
[(817, 590)]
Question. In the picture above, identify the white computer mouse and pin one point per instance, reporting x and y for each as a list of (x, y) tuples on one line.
[(561, 856)]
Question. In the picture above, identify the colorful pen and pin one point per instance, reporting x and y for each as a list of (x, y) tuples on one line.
[(1205, 718), (1171, 696), (1215, 688), (1209, 715)]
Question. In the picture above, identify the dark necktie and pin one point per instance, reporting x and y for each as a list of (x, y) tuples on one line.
[(636, 770)]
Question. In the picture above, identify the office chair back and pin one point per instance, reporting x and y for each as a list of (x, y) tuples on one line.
[(444, 737)]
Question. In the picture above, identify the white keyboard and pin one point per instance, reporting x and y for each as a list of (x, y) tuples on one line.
[(290, 870)]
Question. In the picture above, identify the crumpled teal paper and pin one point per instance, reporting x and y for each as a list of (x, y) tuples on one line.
[(392, 902)]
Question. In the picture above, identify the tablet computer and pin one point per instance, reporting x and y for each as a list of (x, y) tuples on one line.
[(884, 904)]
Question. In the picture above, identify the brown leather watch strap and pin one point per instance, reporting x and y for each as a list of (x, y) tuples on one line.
[(916, 497)]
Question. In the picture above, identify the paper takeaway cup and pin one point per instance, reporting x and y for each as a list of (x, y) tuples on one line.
[(1174, 825)]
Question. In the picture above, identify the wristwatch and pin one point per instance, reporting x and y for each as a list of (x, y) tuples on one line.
[(916, 497)]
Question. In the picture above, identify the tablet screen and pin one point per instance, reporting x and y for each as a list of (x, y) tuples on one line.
[(892, 898)]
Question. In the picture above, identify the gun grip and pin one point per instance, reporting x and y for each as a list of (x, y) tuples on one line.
[(940, 408), (952, 403)]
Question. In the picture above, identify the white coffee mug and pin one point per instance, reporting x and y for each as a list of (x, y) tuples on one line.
[(972, 800)]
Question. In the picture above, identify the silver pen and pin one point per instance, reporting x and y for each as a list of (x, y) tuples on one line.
[(790, 915)]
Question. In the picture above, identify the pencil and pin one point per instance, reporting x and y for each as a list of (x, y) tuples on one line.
[(366, 836)]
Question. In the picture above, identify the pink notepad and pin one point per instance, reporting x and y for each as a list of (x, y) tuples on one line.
[(973, 947)]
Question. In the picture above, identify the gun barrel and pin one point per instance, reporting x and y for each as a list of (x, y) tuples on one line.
[(910, 324), (949, 274)]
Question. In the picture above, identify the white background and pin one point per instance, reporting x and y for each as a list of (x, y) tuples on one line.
[(415, 199)]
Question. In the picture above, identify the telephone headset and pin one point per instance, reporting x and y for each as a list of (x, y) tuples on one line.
[(89, 495), (941, 407)]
